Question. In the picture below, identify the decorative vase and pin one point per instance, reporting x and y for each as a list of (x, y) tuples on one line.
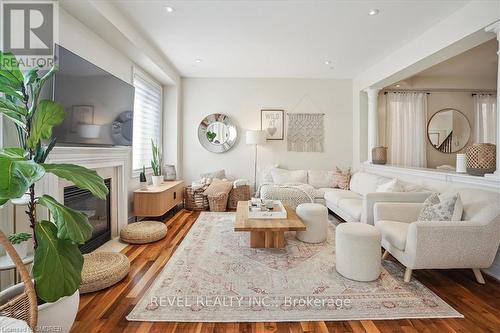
[(21, 249), (481, 159), (379, 155), (170, 173), (461, 163), (157, 180)]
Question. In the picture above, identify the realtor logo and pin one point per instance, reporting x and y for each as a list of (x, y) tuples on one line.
[(29, 31)]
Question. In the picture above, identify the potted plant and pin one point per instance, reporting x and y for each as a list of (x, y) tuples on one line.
[(20, 242), (57, 261), (156, 164)]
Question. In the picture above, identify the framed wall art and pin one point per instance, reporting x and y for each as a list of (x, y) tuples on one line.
[(272, 121)]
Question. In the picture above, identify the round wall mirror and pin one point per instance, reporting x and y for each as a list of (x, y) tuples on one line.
[(217, 133), (448, 131)]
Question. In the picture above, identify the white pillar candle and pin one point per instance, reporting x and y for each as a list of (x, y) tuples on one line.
[(461, 163)]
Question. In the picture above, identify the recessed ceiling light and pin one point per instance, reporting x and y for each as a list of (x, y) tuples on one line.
[(198, 60), (328, 62), (373, 12), (169, 9)]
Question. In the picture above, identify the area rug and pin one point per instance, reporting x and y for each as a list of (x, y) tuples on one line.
[(214, 276)]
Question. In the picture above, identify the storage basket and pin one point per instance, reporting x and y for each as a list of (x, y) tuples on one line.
[(218, 202), (195, 199), (240, 193), (481, 159)]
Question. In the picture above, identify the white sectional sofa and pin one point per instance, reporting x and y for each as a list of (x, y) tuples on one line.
[(356, 204), (353, 205)]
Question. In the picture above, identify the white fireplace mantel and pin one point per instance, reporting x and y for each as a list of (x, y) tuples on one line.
[(96, 158)]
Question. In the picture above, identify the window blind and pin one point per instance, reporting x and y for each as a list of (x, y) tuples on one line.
[(147, 120)]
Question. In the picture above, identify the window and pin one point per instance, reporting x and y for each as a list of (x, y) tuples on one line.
[(147, 119)]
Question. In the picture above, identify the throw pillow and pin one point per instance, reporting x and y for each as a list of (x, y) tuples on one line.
[(390, 186), (438, 209), (218, 186), (459, 206), (282, 176), (265, 175), (341, 179), (220, 174)]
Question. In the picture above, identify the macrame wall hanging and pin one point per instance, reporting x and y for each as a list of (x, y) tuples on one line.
[(305, 132)]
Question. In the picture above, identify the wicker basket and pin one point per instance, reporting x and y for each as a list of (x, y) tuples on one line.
[(481, 159), (218, 202), (23, 306), (240, 193), (195, 199), (379, 155)]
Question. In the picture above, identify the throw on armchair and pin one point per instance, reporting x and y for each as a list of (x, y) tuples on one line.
[(471, 243)]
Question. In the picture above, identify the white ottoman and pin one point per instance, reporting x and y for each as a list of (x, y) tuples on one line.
[(357, 251), (315, 217)]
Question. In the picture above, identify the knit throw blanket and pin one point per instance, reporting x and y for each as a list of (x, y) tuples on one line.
[(305, 132)]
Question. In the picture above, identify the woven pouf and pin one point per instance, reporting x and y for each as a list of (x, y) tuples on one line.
[(143, 232), (102, 270)]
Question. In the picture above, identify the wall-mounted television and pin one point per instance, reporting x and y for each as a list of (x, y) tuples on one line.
[(99, 106)]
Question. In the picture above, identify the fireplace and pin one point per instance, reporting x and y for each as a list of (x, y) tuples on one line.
[(98, 211)]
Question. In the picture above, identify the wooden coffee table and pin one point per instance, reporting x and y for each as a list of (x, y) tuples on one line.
[(266, 233)]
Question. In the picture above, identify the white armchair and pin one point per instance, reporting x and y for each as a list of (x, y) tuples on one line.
[(471, 243)]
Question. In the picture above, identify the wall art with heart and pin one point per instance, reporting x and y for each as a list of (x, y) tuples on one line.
[(272, 122)]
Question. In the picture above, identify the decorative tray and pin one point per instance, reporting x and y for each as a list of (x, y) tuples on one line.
[(261, 212)]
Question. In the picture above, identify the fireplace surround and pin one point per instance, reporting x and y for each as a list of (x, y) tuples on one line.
[(97, 210)]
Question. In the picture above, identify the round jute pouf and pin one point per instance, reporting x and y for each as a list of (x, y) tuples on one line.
[(143, 232), (102, 270)]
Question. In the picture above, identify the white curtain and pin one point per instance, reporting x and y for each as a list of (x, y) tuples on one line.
[(485, 118), (406, 128)]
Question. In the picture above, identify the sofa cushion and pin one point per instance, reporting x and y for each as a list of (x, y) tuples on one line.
[(394, 232), (352, 207), (363, 183), (282, 176), (319, 178), (390, 186), (479, 205), (334, 195), (265, 175)]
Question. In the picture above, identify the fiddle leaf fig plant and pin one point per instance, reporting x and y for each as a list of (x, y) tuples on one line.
[(58, 262)]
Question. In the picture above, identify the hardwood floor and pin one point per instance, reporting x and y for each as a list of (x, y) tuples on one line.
[(105, 311)]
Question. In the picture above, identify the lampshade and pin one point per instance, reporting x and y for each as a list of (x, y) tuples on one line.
[(256, 137)]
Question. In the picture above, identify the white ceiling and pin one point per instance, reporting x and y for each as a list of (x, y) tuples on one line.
[(281, 38)]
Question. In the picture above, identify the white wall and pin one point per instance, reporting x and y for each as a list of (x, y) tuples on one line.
[(242, 100)]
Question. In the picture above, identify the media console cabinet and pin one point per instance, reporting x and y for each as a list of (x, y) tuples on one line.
[(157, 200)]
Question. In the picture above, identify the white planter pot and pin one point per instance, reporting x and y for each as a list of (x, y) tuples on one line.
[(157, 180), (21, 249), (58, 316)]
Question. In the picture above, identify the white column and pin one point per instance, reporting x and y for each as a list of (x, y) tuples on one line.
[(372, 120), (495, 28)]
